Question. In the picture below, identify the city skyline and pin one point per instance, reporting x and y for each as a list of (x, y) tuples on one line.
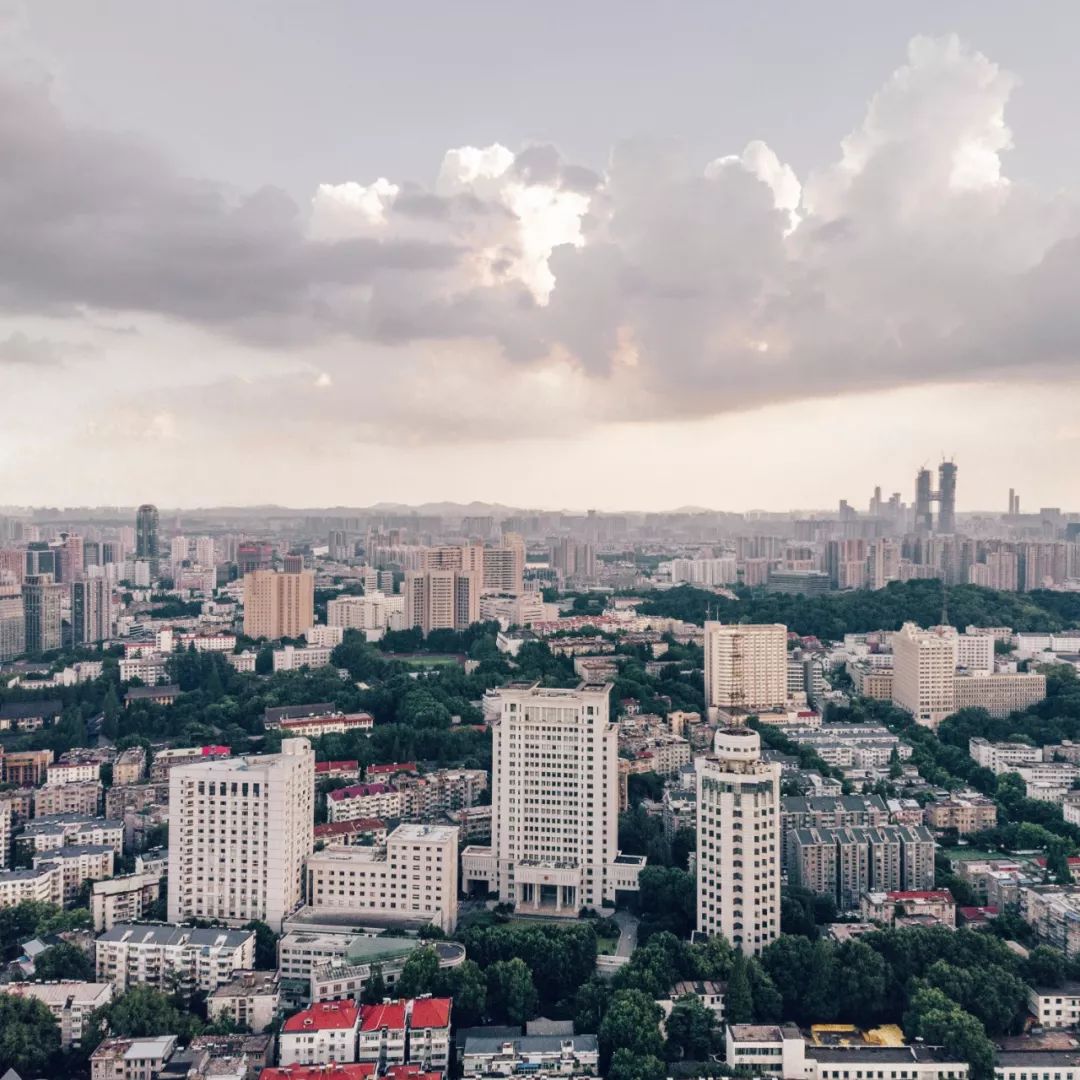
[(472, 283)]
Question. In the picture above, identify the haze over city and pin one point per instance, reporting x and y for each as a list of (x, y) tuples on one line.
[(336, 256)]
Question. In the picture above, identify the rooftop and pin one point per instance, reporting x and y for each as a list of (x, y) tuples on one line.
[(324, 1016), (431, 1013), (388, 1015)]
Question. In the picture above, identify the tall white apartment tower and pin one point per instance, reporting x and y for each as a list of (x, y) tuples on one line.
[(555, 802), (924, 672), (745, 666), (239, 832), (738, 855)]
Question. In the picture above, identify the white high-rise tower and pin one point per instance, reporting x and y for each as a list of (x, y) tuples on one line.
[(738, 853)]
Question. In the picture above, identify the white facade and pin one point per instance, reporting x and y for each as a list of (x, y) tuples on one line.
[(70, 1002), (414, 877), (738, 855), (293, 658), (745, 666), (555, 802), (239, 832)]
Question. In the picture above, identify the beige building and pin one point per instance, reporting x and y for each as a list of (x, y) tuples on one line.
[(130, 767), (131, 1059), (123, 899), (555, 802), (924, 672), (414, 878), (42, 883), (78, 798), (745, 666), (1000, 694), (186, 958), (278, 605), (738, 828), (504, 566), (251, 999), (239, 832), (442, 599), (966, 813), (74, 864), (70, 1002)]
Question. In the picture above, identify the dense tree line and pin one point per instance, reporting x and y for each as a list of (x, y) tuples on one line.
[(831, 616)]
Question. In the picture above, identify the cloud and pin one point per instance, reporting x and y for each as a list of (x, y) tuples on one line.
[(523, 293), (20, 350)]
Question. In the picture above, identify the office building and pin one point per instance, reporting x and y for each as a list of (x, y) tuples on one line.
[(504, 566), (91, 611), (413, 879), (745, 666), (239, 832), (442, 599), (146, 536), (924, 672), (738, 830), (43, 602), (555, 802), (278, 605)]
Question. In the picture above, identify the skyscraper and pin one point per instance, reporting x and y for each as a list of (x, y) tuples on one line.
[(555, 802), (278, 605), (239, 832), (91, 611), (12, 622), (745, 666), (946, 522), (42, 603), (924, 672), (924, 515), (738, 854), (146, 535)]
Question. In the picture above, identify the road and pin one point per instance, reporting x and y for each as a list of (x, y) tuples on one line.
[(628, 925)]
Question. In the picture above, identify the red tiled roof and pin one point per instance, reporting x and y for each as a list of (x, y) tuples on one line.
[(359, 789), (393, 767), (344, 828), (324, 1016), (216, 751), (361, 1071), (410, 1072), (390, 1015), (430, 1013), (932, 894), (329, 766)]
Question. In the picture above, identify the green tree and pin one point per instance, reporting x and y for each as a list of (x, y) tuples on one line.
[(937, 1020), (265, 945), (626, 1065), (511, 995), (63, 961), (863, 983), (375, 987), (418, 974), (29, 1035), (467, 985), (739, 1003), (590, 1004), (1044, 966), (631, 1023), (138, 1013), (690, 1029)]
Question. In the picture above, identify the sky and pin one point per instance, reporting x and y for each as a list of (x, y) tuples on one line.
[(613, 255)]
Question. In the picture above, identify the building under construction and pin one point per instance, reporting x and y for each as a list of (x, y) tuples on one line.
[(945, 497)]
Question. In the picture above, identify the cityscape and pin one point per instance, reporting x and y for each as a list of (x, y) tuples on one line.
[(539, 542)]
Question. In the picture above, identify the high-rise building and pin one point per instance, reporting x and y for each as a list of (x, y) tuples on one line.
[(504, 566), (252, 556), (946, 492), (12, 622), (738, 852), (42, 606), (205, 553), (278, 605), (573, 559), (442, 599), (745, 666), (239, 832), (146, 536), (924, 514), (70, 558), (293, 563), (91, 611), (112, 551), (924, 672), (555, 802)]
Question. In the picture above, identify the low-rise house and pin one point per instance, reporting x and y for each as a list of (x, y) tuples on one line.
[(1055, 1006), (250, 999), (500, 1054), (132, 1059), (70, 1002), (326, 1032)]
